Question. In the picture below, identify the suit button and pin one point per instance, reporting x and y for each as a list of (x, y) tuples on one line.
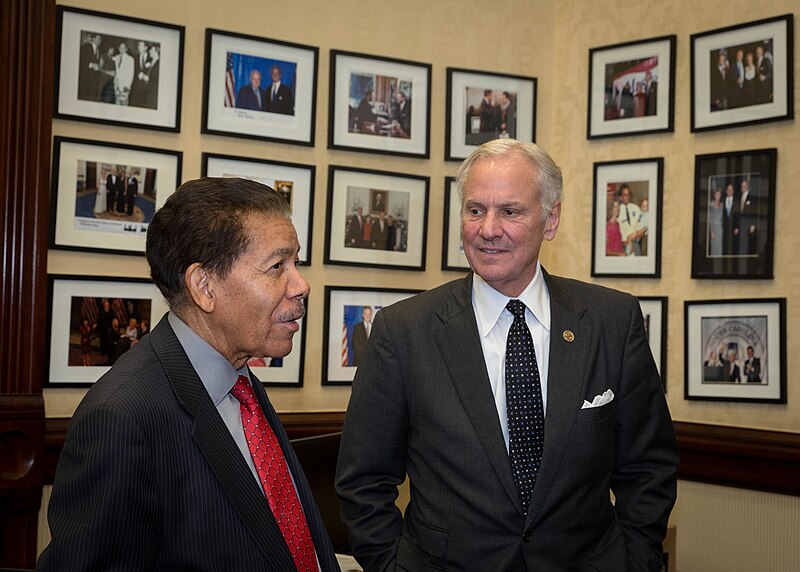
[(527, 537)]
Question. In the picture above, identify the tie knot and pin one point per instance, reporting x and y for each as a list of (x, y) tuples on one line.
[(243, 391), (517, 308)]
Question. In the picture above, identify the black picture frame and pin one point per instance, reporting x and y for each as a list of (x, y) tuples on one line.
[(745, 248), (99, 78), (72, 298), (654, 312), (474, 117), (288, 115), (613, 254), (718, 340), (344, 308), (295, 181), (81, 218), (743, 89), (396, 121), (612, 111), (350, 189), (453, 257)]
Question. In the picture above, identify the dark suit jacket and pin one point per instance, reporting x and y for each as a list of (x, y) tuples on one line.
[(246, 98), (359, 341), (283, 103), (151, 479), (88, 78), (422, 405)]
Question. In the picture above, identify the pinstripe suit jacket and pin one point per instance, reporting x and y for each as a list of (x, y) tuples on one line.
[(151, 479)]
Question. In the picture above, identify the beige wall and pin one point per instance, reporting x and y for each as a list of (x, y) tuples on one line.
[(549, 40), (442, 33)]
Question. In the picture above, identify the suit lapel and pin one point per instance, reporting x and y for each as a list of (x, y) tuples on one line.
[(220, 451), (459, 344), (319, 534), (565, 384)]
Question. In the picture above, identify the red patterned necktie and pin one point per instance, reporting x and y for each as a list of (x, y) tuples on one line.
[(274, 475)]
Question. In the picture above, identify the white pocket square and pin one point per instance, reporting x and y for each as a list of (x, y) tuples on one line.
[(599, 400)]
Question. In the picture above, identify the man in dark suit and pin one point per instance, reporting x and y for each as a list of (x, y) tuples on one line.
[(401, 115), (748, 219), (279, 96), (391, 233), (650, 94), (361, 333), (251, 96), (763, 76), (131, 190), (140, 70), (355, 229), (115, 188), (379, 232), (752, 367), (730, 222), (89, 75), (732, 371), (510, 458), (175, 459)]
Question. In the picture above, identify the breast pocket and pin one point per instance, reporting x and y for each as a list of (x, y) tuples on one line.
[(597, 414)]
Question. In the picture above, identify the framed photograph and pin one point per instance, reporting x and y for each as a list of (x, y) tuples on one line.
[(736, 350), (654, 311), (94, 320), (286, 371), (349, 313), (453, 257), (734, 214), (118, 70), (482, 106), (626, 236), (743, 74), (632, 88), (379, 105), (293, 181), (259, 88), (104, 195), (376, 218)]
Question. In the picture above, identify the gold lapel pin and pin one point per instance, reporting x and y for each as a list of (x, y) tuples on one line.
[(569, 337)]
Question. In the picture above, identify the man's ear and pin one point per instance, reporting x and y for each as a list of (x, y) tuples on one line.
[(551, 224), (199, 284)]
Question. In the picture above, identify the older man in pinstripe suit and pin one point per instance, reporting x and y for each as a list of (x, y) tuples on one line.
[(176, 460)]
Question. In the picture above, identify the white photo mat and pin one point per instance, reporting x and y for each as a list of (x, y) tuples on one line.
[(453, 249), (627, 172), (600, 58), (63, 290), (104, 235), (703, 45), (230, 120), (728, 312), (166, 115), (341, 180), (335, 338), (457, 106), (346, 65)]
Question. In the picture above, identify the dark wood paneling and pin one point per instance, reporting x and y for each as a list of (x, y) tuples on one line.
[(744, 458), (27, 32)]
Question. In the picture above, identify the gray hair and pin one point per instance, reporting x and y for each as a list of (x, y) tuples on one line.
[(548, 175)]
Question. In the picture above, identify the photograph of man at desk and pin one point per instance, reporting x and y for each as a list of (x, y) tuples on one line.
[(380, 105)]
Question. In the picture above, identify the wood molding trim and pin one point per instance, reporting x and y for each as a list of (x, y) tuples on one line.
[(27, 35), (744, 458), (727, 456)]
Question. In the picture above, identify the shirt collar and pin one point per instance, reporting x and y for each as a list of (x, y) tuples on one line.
[(489, 303), (216, 373)]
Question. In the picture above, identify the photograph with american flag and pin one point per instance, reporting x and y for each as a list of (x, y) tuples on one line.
[(259, 88), (349, 315)]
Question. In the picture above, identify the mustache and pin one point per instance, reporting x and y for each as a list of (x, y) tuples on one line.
[(293, 314)]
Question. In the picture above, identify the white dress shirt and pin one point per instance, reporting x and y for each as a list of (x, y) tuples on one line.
[(494, 322)]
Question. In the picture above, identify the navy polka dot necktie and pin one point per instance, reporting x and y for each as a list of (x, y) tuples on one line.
[(524, 408)]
